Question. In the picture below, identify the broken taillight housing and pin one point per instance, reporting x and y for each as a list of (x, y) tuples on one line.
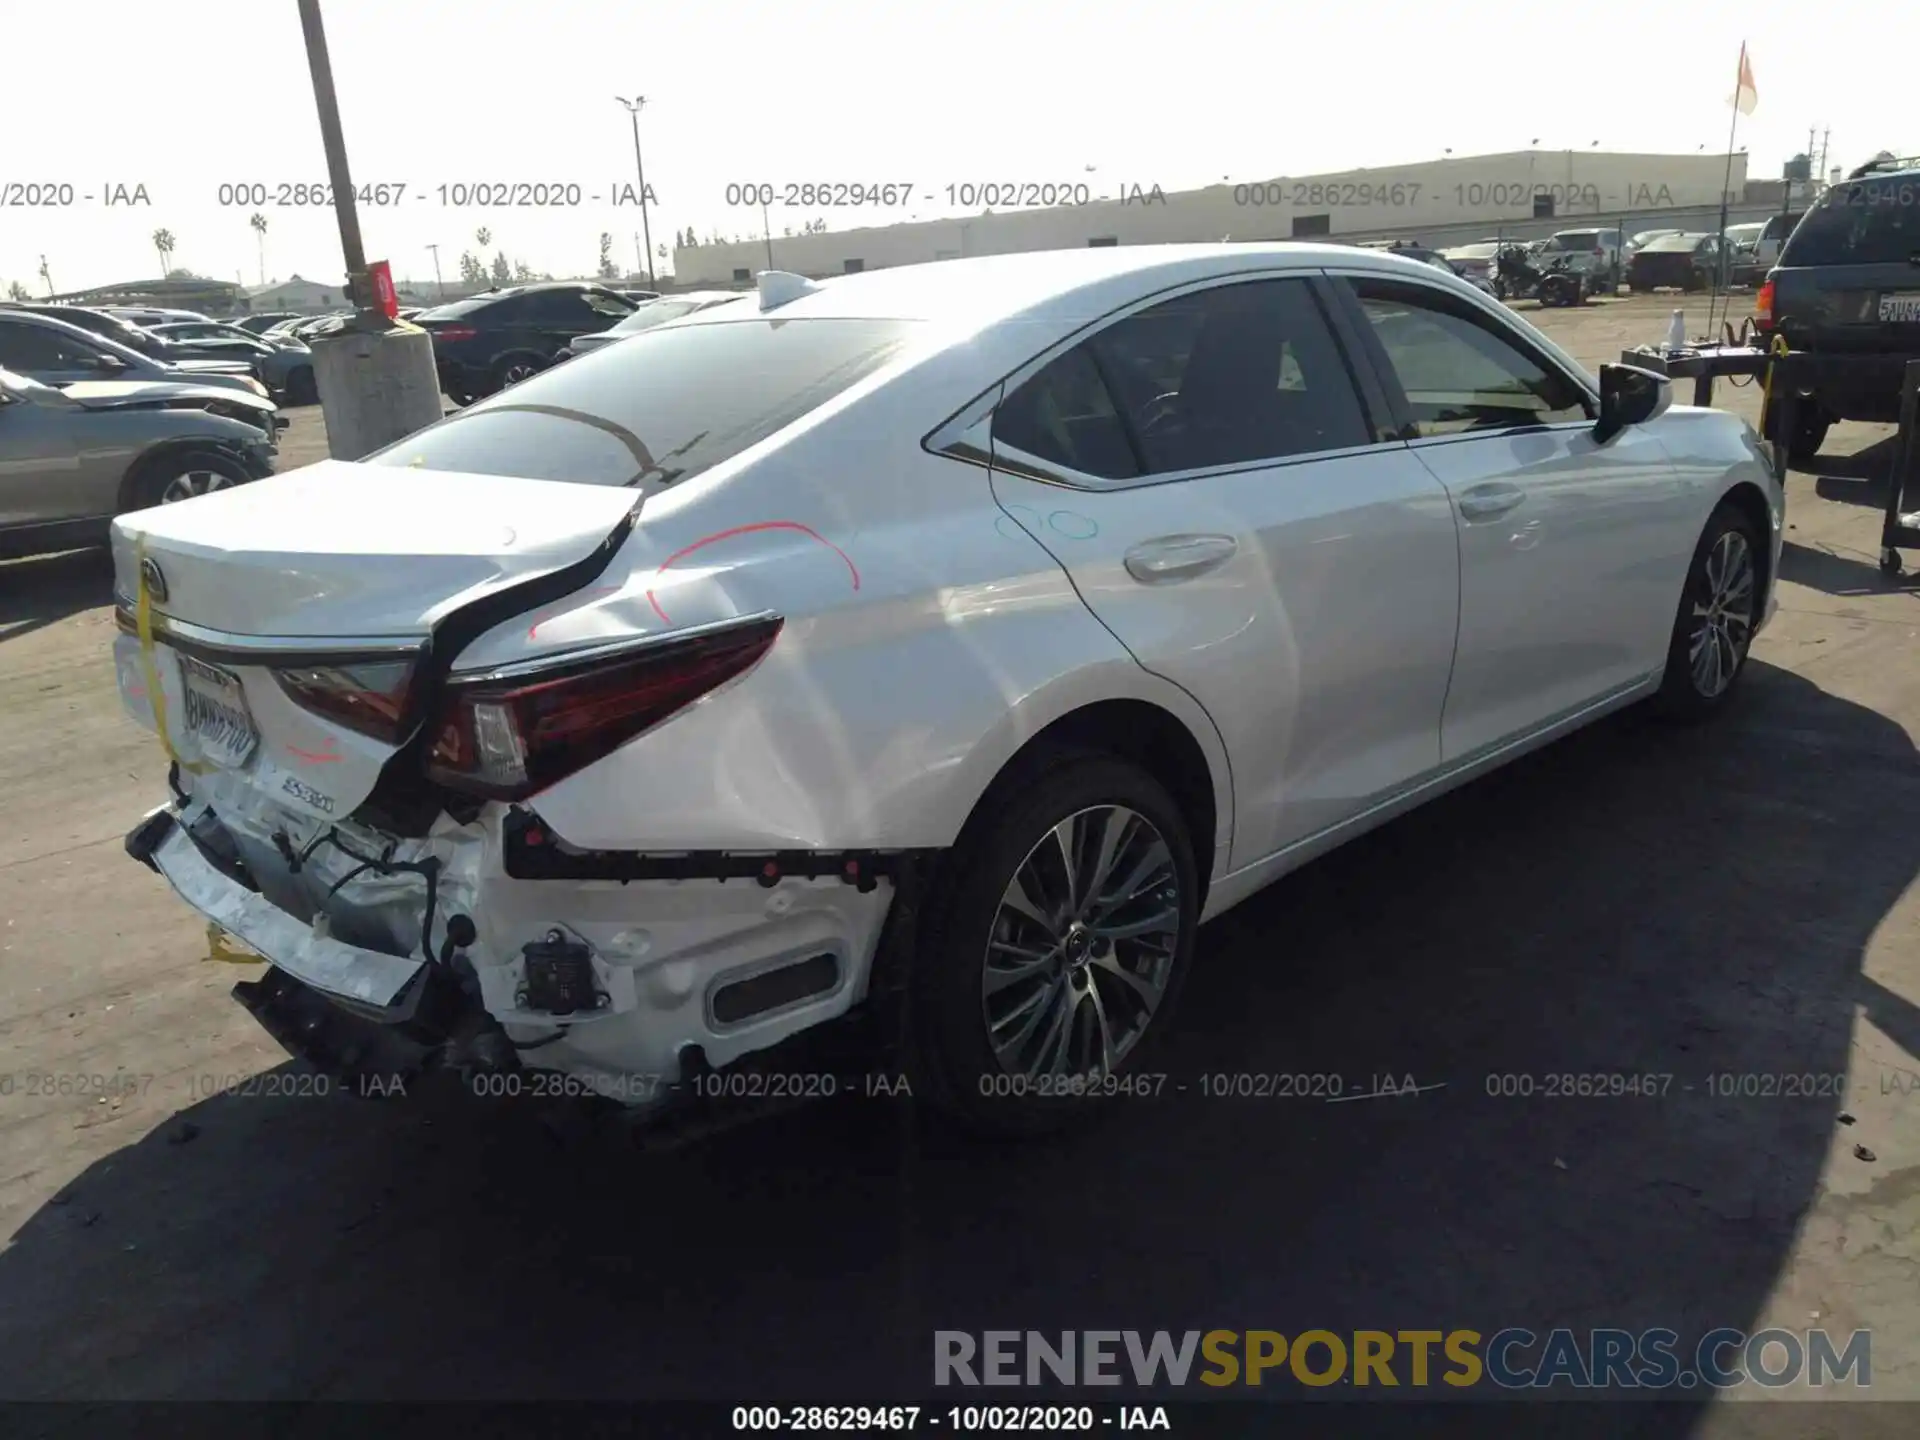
[(513, 732), (368, 698)]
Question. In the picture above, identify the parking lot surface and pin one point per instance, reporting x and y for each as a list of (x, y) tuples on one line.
[(1723, 902)]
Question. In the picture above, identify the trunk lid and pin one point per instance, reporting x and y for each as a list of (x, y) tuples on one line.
[(337, 568), (342, 549)]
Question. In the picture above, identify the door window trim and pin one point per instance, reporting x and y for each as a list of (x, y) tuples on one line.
[(1474, 312), (967, 435)]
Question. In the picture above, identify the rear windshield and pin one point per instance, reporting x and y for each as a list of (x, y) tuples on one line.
[(654, 312), (1575, 240), (1671, 242), (1865, 222), (662, 406)]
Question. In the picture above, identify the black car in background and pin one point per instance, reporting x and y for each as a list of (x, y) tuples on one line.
[(1847, 292), (497, 339), (1675, 262)]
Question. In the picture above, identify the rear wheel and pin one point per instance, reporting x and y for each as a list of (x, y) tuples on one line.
[(1719, 610), (184, 475), (1810, 426), (301, 389), (1053, 947), (514, 369)]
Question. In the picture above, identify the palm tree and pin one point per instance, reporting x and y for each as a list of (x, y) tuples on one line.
[(259, 224), (163, 244), (483, 237)]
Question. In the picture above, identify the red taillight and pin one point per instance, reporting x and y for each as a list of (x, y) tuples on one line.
[(452, 332), (507, 735), (1763, 306), (369, 698), (1599, 253)]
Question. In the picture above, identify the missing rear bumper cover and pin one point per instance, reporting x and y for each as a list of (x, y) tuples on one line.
[(532, 853)]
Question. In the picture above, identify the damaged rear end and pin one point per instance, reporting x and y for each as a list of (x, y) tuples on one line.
[(362, 807)]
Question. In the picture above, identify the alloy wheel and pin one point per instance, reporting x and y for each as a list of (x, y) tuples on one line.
[(1082, 945), (1722, 614), (189, 483), (516, 372)]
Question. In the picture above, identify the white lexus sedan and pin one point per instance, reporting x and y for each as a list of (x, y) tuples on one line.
[(941, 645)]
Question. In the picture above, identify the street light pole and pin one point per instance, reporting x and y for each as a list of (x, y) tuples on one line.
[(321, 65), (439, 285), (377, 382), (640, 169), (766, 228)]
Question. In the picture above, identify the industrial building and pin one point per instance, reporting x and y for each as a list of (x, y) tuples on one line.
[(1447, 201)]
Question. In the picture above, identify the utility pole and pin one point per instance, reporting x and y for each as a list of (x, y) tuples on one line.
[(439, 285), (766, 227), (377, 381), (46, 276), (640, 169), (639, 255)]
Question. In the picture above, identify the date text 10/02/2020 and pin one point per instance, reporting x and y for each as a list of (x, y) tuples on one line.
[(454, 195)]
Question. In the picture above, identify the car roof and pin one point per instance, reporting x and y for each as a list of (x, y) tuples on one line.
[(983, 290)]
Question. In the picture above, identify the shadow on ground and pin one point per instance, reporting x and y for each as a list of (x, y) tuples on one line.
[(1858, 477), (1833, 573), (48, 588), (1636, 901)]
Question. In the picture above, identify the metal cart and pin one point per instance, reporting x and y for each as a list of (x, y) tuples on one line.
[(1901, 527), (1703, 364)]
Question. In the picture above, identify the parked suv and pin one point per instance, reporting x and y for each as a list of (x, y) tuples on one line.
[(498, 339), (1594, 254), (1847, 290)]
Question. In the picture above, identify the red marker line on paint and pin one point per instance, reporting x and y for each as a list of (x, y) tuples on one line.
[(806, 530), (328, 756)]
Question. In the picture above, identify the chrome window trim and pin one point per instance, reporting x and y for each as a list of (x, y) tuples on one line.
[(955, 440)]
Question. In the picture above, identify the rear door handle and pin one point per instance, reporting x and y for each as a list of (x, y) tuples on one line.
[(1172, 558), (1484, 502)]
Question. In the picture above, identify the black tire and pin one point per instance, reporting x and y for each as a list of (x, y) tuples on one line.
[(302, 388), (157, 481), (948, 1053), (512, 369), (1685, 693), (1810, 426)]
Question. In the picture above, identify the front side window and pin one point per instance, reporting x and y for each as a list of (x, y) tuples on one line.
[(659, 407), (33, 347), (1458, 374), (1233, 375)]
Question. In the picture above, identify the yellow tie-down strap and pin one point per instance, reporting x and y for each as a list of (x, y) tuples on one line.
[(143, 627), (229, 950), (1778, 348)]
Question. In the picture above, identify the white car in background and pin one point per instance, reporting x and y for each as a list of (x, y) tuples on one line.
[(650, 314), (944, 643)]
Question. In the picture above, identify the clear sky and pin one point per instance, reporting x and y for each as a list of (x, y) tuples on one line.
[(184, 96)]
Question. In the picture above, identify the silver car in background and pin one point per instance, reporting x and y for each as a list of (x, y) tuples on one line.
[(71, 459), (650, 314)]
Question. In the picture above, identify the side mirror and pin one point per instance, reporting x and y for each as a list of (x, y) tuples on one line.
[(1629, 396)]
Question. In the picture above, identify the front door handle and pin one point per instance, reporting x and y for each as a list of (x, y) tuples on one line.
[(1178, 557), (1485, 502)]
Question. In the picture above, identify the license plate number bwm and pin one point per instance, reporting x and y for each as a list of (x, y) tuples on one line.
[(217, 714), (1902, 309)]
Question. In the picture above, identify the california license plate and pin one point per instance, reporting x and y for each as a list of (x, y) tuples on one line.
[(216, 713), (1901, 308)]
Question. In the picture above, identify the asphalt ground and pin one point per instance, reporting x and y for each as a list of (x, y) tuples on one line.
[(1729, 901)]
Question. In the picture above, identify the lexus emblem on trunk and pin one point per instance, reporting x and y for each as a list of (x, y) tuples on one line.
[(152, 578)]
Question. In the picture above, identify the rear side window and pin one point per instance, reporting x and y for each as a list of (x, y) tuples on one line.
[(1874, 222), (662, 406), (1233, 375)]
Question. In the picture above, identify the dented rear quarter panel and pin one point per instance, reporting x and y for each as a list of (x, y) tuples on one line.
[(927, 638)]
